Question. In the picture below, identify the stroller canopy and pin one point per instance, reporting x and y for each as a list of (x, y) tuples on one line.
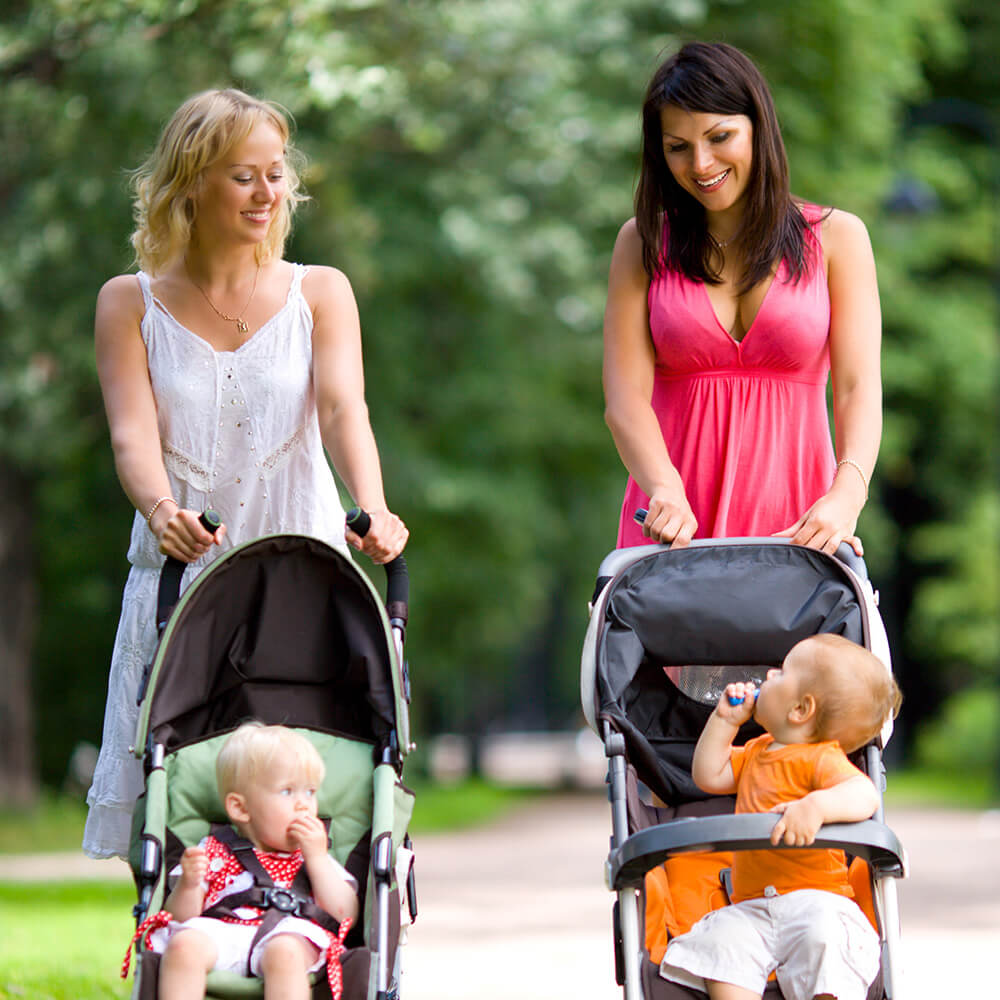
[(282, 628), (731, 609)]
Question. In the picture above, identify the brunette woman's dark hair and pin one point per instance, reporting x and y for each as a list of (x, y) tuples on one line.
[(718, 79)]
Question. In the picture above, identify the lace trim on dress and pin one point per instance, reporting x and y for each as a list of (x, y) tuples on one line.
[(186, 468), (280, 456)]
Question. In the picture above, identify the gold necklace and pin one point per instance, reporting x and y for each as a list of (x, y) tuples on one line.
[(240, 322), (721, 244)]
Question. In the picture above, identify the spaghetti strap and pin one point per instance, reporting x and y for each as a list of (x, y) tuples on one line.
[(298, 273), (147, 292)]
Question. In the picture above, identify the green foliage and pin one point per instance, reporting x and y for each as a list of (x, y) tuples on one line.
[(966, 735), (470, 166)]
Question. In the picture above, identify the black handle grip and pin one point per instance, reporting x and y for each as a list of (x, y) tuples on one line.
[(173, 570), (397, 576), (358, 521)]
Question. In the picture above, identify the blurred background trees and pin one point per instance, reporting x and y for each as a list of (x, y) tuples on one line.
[(470, 164)]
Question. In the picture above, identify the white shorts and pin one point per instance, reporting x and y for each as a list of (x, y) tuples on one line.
[(815, 942), (233, 940)]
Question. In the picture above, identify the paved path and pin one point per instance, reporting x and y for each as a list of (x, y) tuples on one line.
[(519, 909)]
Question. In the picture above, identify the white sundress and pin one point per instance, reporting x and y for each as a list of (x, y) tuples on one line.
[(240, 434)]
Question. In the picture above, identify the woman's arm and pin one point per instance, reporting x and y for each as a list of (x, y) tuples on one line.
[(131, 410), (629, 361), (855, 347), (338, 377)]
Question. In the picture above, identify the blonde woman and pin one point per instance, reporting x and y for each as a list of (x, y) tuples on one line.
[(226, 371)]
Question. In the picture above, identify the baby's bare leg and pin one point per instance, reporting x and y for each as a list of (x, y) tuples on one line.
[(185, 965), (727, 991), (284, 966)]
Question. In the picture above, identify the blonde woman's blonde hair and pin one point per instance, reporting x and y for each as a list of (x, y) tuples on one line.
[(203, 129), (252, 750)]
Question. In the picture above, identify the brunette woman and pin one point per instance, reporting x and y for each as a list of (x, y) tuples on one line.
[(730, 304)]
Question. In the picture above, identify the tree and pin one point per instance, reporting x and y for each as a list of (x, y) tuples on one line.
[(470, 166)]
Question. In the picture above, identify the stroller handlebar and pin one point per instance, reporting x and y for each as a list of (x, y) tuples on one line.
[(844, 552), (397, 577), (173, 570)]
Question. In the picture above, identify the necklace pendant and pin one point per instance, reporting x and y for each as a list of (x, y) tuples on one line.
[(242, 326)]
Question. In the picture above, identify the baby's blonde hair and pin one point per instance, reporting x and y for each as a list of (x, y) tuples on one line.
[(252, 749), (855, 692), (203, 129)]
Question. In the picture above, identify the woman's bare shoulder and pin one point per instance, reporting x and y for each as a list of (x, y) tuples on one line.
[(322, 282), (843, 232), (122, 288), (628, 235), (628, 248), (120, 297)]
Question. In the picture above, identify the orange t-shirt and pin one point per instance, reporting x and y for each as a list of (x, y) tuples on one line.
[(766, 776)]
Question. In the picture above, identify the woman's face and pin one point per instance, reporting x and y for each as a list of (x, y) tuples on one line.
[(241, 194), (710, 155)]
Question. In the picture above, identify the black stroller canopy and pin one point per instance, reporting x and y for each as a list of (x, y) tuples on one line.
[(282, 628), (739, 605)]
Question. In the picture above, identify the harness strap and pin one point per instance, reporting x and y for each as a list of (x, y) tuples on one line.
[(277, 901)]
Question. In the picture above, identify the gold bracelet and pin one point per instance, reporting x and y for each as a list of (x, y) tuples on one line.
[(153, 509), (861, 472)]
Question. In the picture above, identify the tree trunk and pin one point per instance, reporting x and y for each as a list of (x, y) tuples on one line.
[(18, 611)]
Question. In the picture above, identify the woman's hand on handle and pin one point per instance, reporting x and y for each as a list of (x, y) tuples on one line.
[(385, 539), (832, 519), (181, 535), (669, 519)]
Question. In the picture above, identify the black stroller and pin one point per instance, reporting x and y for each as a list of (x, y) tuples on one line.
[(287, 630), (669, 629)]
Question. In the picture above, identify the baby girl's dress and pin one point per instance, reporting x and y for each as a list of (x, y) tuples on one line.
[(240, 434), (745, 422)]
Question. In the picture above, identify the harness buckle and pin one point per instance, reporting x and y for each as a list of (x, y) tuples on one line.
[(283, 899)]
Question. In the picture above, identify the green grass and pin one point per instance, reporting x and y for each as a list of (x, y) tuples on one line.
[(64, 941)]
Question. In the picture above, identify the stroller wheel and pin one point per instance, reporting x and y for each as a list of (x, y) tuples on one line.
[(616, 933)]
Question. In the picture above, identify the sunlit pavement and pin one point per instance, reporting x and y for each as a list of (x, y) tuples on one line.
[(518, 910)]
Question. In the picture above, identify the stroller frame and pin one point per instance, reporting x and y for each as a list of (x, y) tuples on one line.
[(356, 639), (632, 856)]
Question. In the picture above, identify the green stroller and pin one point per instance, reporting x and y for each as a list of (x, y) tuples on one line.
[(286, 630)]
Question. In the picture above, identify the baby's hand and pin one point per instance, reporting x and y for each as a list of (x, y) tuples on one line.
[(799, 823), (737, 702), (308, 834), (194, 867)]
